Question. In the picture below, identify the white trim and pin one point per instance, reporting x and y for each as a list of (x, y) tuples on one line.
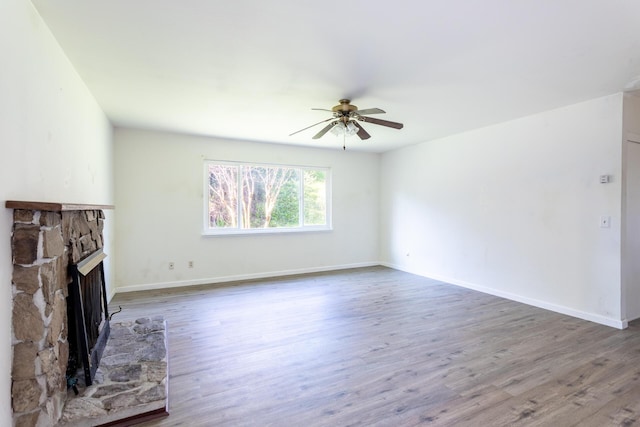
[(274, 230), (112, 293), (239, 277), (592, 317)]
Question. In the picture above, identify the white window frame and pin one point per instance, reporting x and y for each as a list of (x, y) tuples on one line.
[(213, 231)]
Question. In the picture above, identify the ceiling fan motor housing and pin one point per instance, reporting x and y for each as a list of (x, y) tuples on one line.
[(344, 111), (344, 107)]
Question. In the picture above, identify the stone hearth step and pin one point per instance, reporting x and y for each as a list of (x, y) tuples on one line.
[(132, 381)]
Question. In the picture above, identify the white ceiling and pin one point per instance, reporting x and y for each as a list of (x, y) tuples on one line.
[(252, 70)]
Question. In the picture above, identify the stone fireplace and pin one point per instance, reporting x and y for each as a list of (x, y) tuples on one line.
[(46, 239)]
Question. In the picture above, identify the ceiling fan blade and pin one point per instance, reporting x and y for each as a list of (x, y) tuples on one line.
[(386, 123), (370, 111), (315, 124), (363, 134), (322, 109), (325, 129)]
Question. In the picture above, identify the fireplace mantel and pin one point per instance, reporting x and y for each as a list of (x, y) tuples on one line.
[(54, 207)]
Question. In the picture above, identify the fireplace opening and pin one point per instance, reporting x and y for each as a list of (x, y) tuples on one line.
[(88, 318)]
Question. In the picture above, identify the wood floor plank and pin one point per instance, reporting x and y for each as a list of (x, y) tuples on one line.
[(622, 411), (379, 347)]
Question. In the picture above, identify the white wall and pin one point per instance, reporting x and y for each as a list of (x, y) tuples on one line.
[(56, 143), (631, 208), (513, 209), (159, 199)]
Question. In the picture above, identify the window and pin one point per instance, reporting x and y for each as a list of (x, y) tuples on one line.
[(255, 198)]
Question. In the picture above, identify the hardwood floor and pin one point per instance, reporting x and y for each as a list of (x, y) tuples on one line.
[(379, 347)]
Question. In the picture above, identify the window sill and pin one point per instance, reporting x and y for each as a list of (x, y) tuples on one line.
[(262, 231)]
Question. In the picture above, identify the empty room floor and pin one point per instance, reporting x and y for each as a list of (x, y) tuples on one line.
[(380, 347)]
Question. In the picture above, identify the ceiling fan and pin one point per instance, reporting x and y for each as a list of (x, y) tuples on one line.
[(345, 117)]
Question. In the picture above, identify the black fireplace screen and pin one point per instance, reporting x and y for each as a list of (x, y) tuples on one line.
[(88, 316)]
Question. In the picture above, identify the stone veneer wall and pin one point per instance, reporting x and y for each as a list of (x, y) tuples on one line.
[(44, 244)]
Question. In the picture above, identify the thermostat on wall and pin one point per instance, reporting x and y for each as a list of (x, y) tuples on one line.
[(604, 179)]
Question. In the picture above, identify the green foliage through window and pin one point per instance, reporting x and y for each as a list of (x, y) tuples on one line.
[(259, 197)]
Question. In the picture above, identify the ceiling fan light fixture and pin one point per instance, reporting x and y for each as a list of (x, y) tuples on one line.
[(351, 129), (341, 129), (338, 129)]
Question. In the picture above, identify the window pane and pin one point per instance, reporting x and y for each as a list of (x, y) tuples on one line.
[(315, 197), (223, 196), (269, 197), (286, 212)]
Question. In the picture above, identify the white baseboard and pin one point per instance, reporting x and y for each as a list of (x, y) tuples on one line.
[(111, 294), (592, 317), (235, 278)]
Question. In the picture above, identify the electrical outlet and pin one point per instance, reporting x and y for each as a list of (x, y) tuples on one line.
[(171, 266), (190, 264)]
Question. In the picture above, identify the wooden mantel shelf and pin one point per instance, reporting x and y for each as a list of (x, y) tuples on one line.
[(54, 207)]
